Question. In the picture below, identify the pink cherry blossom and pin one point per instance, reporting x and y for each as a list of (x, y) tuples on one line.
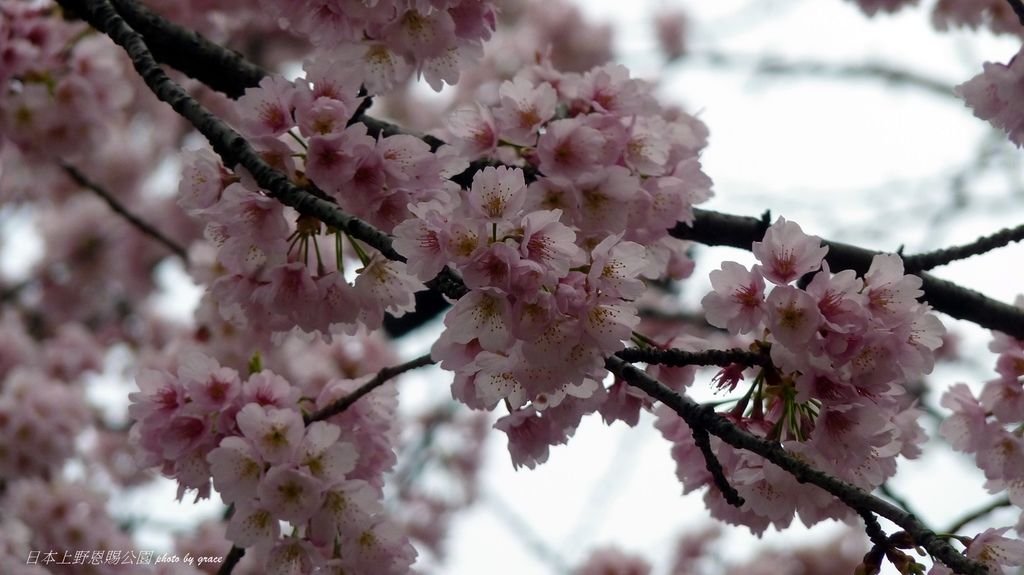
[(325, 458), (267, 110), (569, 149), (253, 525), (991, 95), (290, 494), (786, 253), (498, 193), (475, 130), (737, 301), (236, 469), (890, 293), (274, 433), (524, 108), (549, 242), (615, 267), (793, 316)]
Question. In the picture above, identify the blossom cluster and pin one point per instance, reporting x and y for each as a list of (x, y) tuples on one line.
[(605, 152), (204, 423), (386, 40), (58, 89), (991, 549), (989, 425), (39, 421), (997, 15), (42, 406), (69, 518), (271, 278), (842, 349), (541, 312), (553, 266), (993, 96)]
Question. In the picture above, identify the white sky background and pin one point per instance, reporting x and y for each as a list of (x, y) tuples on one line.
[(854, 160)]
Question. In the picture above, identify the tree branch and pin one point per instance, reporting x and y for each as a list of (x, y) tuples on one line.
[(941, 257), (718, 229), (380, 379), (978, 514), (1018, 9), (680, 358), (778, 66), (696, 416), (189, 52), (896, 498), (703, 442), (231, 560), (142, 225)]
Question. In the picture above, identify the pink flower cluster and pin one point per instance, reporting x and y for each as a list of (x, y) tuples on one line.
[(992, 550), (542, 312), (55, 100), (608, 155), (384, 41), (273, 276), (989, 425), (66, 517), (994, 96), (39, 421), (249, 437), (281, 275), (281, 470), (842, 349), (553, 266), (997, 15), (872, 7)]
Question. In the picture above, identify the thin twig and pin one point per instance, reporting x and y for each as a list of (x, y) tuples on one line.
[(142, 225), (1018, 9), (896, 498), (779, 66), (873, 529), (714, 467), (941, 257), (8, 293), (231, 560), (696, 416), (679, 358), (380, 379), (978, 514), (526, 534)]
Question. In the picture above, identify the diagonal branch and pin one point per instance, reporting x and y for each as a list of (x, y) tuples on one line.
[(1018, 9), (236, 150), (934, 259), (697, 416), (231, 560), (779, 67), (978, 514), (382, 377), (142, 225), (180, 48)]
